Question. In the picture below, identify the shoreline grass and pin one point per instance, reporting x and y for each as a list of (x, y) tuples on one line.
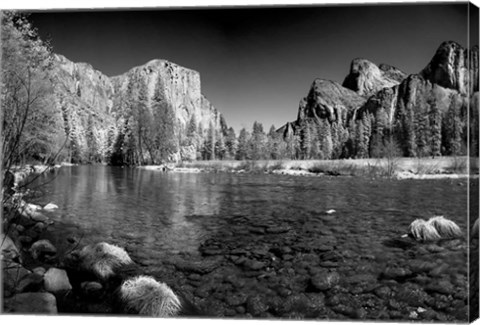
[(386, 167)]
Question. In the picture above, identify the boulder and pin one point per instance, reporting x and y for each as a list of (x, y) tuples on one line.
[(31, 303), (8, 250), (56, 280), (12, 274), (42, 248)]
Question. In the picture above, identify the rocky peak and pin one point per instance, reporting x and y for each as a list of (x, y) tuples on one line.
[(326, 96), (180, 86), (449, 67), (366, 78)]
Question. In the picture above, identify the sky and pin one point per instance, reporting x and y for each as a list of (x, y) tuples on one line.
[(256, 64)]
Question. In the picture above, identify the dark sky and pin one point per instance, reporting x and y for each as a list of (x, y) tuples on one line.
[(256, 64)]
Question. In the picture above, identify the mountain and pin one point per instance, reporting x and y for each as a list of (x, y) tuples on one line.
[(380, 109), (115, 119)]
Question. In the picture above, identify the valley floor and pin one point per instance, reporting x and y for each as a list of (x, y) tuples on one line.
[(401, 168)]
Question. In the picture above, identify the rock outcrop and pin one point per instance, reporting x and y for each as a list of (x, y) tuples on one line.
[(94, 106), (366, 78), (450, 68), (426, 113), (181, 88)]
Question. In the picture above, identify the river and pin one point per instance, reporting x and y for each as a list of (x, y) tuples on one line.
[(260, 245)]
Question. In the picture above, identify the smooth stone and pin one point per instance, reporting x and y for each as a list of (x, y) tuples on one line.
[(39, 270), (56, 280), (31, 303), (41, 248), (254, 265), (8, 249), (50, 206)]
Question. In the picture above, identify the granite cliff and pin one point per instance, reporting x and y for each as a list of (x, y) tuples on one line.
[(103, 115), (380, 109)]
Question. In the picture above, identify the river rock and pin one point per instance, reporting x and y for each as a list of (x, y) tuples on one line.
[(31, 283), (56, 280), (25, 240), (92, 289), (12, 274), (42, 248), (396, 273), (50, 207), (31, 303), (8, 249), (256, 305), (236, 299), (254, 264), (206, 265), (443, 287), (39, 270), (325, 281), (413, 295), (39, 227)]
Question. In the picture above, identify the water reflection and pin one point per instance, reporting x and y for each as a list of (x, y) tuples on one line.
[(167, 212)]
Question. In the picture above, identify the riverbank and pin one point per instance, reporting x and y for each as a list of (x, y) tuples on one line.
[(399, 168)]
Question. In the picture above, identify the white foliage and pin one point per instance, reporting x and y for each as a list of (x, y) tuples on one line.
[(102, 258), (146, 296), (422, 230), (445, 227)]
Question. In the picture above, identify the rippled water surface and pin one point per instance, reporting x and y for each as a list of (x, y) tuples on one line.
[(277, 221)]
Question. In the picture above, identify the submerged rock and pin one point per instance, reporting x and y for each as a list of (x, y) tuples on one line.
[(325, 281), (42, 248)]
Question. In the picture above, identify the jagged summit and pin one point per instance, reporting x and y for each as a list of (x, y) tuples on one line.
[(449, 67)]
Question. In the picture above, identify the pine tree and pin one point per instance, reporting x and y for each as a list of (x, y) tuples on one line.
[(435, 121), (243, 143), (258, 142), (166, 141), (231, 143)]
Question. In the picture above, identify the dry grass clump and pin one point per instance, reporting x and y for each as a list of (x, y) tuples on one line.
[(145, 296), (102, 259), (434, 229)]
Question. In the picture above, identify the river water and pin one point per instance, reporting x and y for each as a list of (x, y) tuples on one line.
[(244, 244)]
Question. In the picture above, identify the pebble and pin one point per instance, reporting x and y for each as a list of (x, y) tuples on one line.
[(325, 281)]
